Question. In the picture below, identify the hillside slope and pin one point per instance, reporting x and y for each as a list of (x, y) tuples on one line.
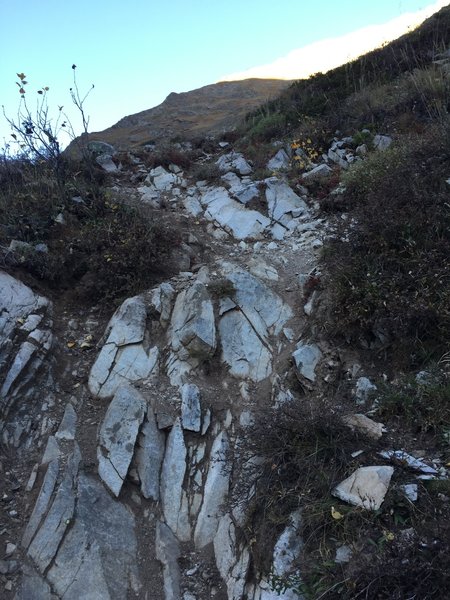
[(210, 109), (266, 415)]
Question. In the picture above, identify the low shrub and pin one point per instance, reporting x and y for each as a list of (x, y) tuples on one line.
[(207, 171), (422, 404), (388, 270), (291, 457), (99, 248), (265, 128), (166, 156)]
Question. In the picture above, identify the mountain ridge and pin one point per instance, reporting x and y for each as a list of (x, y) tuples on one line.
[(211, 109)]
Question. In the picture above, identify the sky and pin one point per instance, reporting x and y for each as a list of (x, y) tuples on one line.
[(136, 52)]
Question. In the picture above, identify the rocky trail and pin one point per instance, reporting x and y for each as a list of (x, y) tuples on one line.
[(117, 430)]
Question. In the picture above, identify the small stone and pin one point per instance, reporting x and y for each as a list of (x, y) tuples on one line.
[(319, 172), (364, 425), (382, 142), (411, 491), (8, 585), (343, 554), (364, 389), (404, 459), (289, 334), (32, 479), (10, 548), (7, 567), (306, 358), (68, 424), (136, 498)]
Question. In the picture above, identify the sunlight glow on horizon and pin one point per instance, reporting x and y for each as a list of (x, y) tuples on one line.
[(330, 53)]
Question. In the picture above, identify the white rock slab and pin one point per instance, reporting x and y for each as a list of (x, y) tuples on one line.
[(284, 204), (118, 435), (168, 552), (232, 561), (234, 161), (317, 173), (161, 179), (404, 459), (21, 312), (127, 325), (67, 428), (149, 456), (232, 216), (192, 324), (366, 487), (288, 547), (266, 311), (259, 268), (364, 425), (115, 367), (279, 161), (306, 358), (245, 353), (191, 412), (162, 298), (244, 190), (216, 488), (124, 357), (172, 476), (17, 301)]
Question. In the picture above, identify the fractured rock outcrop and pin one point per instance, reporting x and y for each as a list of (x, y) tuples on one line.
[(247, 322), (172, 477), (149, 456), (192, 332), (216, 488), (124, 357), (232, 216), (25, 337), (118, 435)]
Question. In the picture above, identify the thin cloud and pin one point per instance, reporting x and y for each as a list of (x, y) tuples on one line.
[(332, 52)]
